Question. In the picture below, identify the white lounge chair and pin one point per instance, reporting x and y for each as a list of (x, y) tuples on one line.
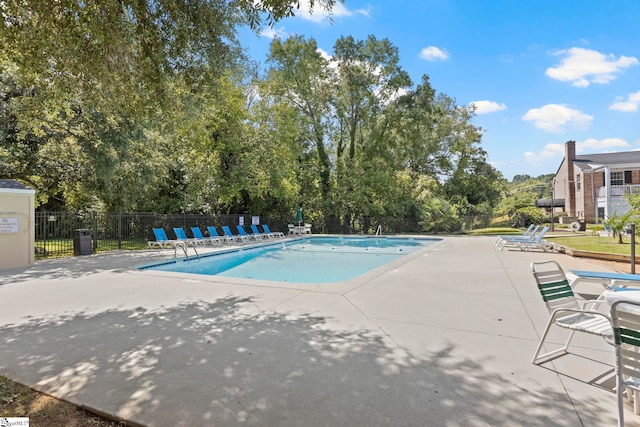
[(518, 241), (528, 233), (606, 279), (272, 233)]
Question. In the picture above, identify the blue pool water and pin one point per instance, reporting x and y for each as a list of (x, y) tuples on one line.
[(308, 260)]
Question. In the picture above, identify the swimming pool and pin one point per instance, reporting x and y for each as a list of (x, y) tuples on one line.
[(306, 260)]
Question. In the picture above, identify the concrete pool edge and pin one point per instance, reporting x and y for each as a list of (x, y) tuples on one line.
[(340, 287)]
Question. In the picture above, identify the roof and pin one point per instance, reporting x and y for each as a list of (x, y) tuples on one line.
[(587, 161), (12, 184), (546, 203)]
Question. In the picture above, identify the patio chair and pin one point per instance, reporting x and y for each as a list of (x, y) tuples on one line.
[(213, 233), (181, 235), (292, 229), (307, 229), (272, 233), (231, 236), (162, 241), (197, 233), (246, 236), (565, 309), (625, 318), (257, 232)]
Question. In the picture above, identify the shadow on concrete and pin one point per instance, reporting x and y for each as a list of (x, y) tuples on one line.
[(217, 363), (80, 266)]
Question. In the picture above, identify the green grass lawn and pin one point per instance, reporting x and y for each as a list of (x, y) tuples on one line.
[(578, 241), (595, 243)]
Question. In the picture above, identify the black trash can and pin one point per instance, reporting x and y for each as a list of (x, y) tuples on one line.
[(81, 242), (583, 225)]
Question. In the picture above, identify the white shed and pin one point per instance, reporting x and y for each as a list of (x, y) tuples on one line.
[(17, 224)]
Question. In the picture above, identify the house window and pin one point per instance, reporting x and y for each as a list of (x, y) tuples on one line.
[(617, 178), (578, 182)]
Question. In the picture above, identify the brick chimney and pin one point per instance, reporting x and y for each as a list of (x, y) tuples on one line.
[(570, 189)]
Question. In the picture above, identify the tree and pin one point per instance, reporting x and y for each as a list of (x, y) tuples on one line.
[(617, 223), (439, 216), (127, 51), (299, 77)]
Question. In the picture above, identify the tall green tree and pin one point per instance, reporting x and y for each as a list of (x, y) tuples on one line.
[(299, 76)]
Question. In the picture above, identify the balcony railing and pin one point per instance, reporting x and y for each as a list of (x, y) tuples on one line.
[(619, 190)]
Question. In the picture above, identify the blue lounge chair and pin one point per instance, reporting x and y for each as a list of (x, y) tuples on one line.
[(272, 233), (214, 234), (162, 241), (181, 235), (246, 236), (607, 280), (528, 234), (197, 233), (257, 232), (231, 236), (533, 241)]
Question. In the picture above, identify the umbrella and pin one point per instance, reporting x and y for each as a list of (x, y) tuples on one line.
[(299, 215)]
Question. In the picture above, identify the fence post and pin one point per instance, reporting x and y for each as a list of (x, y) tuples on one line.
[(633, 249), (95, 232), (119, 230)]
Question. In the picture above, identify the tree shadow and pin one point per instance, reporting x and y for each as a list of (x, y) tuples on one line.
[(215, 363), (81, 266)]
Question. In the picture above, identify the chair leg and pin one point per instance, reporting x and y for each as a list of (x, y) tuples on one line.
[(540, 358), (620, 388)]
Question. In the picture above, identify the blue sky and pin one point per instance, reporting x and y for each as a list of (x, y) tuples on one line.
[(539, 72)]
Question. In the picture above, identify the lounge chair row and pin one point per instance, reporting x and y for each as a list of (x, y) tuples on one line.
[(162, 241), (529, 240)]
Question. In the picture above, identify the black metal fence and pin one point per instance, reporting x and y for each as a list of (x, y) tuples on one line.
[(55, 231)]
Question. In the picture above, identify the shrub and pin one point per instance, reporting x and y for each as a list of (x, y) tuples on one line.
[(527, 216)]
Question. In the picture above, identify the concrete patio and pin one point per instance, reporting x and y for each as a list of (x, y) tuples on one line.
[(443, 337)]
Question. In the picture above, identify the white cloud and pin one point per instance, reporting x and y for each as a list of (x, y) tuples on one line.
[(582, 66), (274, 33), (601, 145), (323, 53), (318, 15), (432, 53), (484, 107), (549, 151), (554, 118), (629, 105)]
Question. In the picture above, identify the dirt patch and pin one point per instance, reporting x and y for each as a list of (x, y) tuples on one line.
[(17, 400), (620, 267)]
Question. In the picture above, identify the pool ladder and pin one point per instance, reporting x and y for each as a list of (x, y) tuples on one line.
[(379, 230), (184, 247)]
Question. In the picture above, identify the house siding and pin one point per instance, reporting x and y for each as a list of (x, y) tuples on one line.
[(583, 203)]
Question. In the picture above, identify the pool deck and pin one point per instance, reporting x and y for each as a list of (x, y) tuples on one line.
[(442, 338)]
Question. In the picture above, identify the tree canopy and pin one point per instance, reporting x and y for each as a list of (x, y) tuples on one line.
[(151, 105)]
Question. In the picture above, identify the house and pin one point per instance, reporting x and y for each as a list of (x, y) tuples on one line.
[(593, 186)]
